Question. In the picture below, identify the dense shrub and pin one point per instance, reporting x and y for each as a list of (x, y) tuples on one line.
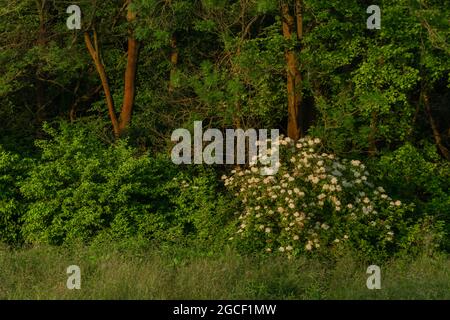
[(84, 190), (418, 176), (11, 204), (316, 202), (200, 206)]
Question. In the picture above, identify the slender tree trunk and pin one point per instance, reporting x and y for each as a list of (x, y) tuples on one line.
[(235, 70), (94, 52), (372, 134), (130, 76), (293, 26), (434, 127), (121, 124), (299, 16), (41, 41), (173, 62)]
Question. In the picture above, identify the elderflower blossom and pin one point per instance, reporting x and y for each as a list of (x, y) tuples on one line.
[(309, 188)]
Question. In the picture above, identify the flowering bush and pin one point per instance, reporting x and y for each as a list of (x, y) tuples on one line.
[(316, 201)]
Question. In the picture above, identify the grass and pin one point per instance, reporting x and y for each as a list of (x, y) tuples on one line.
[(112, 273)]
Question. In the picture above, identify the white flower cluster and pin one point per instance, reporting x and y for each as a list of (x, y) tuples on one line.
[(313, 201)]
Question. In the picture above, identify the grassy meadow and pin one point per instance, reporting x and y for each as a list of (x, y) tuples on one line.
[(40, 273)]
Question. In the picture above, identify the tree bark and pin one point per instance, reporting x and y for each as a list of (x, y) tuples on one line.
[(293, 26), (173, 61), (299, 15), (94, 52), (434, 127), (121, 124), (130, 76)]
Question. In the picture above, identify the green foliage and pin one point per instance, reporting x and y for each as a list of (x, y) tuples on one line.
[(83, 190), (365, 83), (201, 209), (12, 169), (249, 87), (362, 91), (419, 177)]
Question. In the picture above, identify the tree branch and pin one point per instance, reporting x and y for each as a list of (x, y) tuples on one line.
[(437, 136), (104, 79)]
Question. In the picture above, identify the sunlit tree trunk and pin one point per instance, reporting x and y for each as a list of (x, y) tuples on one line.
[(93, 49), (121, 124), (293, 26), (130, 75)]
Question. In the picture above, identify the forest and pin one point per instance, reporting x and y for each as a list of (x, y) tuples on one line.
[(92, 94)]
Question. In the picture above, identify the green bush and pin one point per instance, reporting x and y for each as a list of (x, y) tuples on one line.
[(12, 170), (84, 190), (420, 177), (209, 208), (316, 203), (81, 189)]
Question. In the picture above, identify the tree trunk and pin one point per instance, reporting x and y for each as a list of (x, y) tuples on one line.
[(372, 134), (293, 26), (173, 62), (130, 76), (41, 42), (434, 127), (94, 52), (119, 125)]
